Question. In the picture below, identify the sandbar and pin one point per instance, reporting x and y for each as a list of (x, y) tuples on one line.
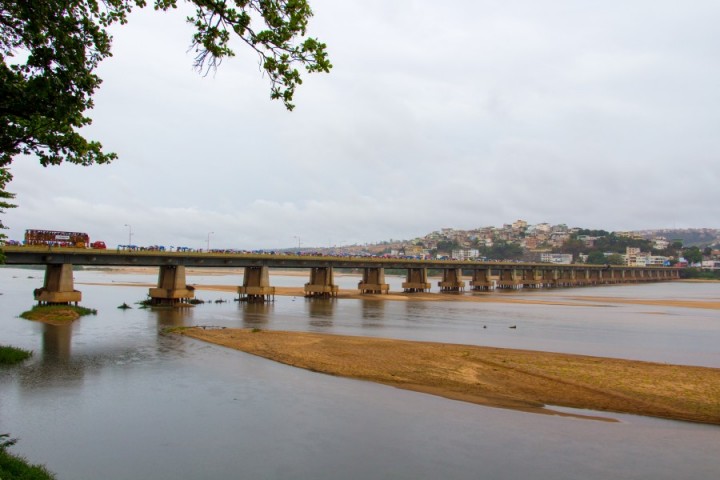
[(506, 378)]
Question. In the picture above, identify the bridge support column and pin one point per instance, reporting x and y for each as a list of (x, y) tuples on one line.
[(567, 278), (582, 276), (58, 287), (510, 279), (416, 280), (321, 283), (550, 277), (532, 278), (256, 285), (482, 280), (452, 280), (609, 276), (373, 281), (172, 287)]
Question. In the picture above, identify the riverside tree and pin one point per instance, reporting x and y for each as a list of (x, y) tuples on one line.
[(49, 50)]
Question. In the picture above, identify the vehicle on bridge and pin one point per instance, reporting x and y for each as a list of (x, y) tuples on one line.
[(56, 238)]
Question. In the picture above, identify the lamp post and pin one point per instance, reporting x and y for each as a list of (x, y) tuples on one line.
[(130, 234), (298, 239), (208, 240)]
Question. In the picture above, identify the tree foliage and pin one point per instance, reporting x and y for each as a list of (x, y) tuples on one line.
[(615, 259), (502, 250), (49, 50), (596, 257), (693, 254)]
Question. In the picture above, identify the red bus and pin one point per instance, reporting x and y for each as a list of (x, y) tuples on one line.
[(57, 239)]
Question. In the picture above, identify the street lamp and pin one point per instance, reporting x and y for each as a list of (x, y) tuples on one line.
[(298, 239), (130, 234), (208, 240)]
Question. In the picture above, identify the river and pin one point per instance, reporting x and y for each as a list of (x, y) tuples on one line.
[(112, 397)]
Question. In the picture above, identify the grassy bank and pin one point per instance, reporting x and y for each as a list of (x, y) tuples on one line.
[(13, 355), (17, 467)]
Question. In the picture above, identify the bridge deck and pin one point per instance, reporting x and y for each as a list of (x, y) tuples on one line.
[(81, 256)]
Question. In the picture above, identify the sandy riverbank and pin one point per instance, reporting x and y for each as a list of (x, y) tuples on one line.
[(508, 297), (516, 379), (516, 297)]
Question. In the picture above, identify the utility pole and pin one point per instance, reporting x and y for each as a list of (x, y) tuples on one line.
[(130, 234)]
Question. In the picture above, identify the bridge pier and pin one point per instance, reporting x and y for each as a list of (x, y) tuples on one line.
[(582, 277), (416, 281), (532, 278), (321, 283), (510, 279), (373, 281), (570, 277), (614, 276), (256, 285), (452, 280), (482, 280), (172, 287), (58, 287), (550, 277)]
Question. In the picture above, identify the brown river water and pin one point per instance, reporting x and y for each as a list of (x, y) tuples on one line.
[(110, 396)]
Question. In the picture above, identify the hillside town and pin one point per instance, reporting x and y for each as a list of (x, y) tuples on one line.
[(560, 244)]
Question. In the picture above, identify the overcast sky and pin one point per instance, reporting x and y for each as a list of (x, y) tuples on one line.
[(436, 114)]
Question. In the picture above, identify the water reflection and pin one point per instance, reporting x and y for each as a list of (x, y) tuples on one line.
[(373, 313), (256, 314), (417, 312), (56, 366), (57, 342), (320, 311), (174, 317)]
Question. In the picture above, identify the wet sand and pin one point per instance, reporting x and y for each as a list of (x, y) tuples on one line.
[(516, 379)]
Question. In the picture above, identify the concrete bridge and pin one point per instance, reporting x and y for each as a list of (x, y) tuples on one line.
[(171, 288)]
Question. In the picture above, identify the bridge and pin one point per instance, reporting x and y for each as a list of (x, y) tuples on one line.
[(171, 288)]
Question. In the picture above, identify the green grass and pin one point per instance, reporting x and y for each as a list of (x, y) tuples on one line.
[(18, 468), (13, 355), (57, 312)]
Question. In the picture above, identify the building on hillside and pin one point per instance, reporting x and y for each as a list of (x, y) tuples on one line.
[(412, 250), (587, 240), (543, 228), (465, 254), (657, 261), (660, 243), (711, 264), (560, 258), (519, 225), (530, 243), (558, 239), (635, 258)]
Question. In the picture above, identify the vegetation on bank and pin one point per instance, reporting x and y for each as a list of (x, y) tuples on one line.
[(12, 355), (57, 313), (17, 467), (700, 274)]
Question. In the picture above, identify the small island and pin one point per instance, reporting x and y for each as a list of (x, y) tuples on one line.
[(57, 314)]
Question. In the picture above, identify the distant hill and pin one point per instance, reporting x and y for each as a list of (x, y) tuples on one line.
[(700, 237)]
